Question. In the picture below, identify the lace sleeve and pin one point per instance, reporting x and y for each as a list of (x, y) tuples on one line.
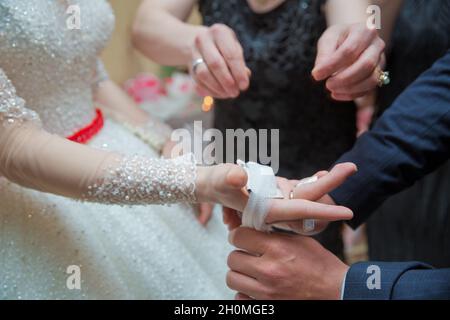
[(12, 107), (138, 180), (34, 158)]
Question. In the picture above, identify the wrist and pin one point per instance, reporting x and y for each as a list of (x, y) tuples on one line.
[(191, 52), (336, 284), (202, 189)]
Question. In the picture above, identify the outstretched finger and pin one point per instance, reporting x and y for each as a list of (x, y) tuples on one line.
[(325, 184), (288, 210)]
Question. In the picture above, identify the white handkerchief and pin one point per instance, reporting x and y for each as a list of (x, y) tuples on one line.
[(262, 186), (258, 174)]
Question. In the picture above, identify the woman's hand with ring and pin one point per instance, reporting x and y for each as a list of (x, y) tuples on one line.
[(351, 58), (219, 66)]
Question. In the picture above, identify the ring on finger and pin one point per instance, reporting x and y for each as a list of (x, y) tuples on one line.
[(383, 78), (291, 195), (308, 225), (196, 63)]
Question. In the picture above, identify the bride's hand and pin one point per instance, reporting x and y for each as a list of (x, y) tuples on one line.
[(222, 184), (317, 192), (225, 184)]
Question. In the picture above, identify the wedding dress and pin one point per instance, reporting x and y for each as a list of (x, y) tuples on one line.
[(123, 245)]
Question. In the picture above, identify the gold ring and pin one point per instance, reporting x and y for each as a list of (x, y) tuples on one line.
[(291, 195), (383, 78)]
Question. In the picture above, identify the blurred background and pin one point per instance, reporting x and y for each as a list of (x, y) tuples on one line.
[(165, 92), (120, 47)]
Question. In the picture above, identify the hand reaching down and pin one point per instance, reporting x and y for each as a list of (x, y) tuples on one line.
[(350, 58)]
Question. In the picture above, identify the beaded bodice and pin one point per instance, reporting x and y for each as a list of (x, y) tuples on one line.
[(52, 63)]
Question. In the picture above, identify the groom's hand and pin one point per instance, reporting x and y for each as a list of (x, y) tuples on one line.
[(276, 266)]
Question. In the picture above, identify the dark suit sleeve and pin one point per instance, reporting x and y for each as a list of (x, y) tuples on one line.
[(397, 281), (410, 140)]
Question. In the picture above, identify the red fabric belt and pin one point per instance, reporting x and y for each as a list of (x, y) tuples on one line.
[(87, 133)]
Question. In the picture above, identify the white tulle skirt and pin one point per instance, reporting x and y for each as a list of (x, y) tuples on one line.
[(147, 252)]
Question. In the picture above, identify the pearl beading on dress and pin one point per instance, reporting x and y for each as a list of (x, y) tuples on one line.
[(139, 181)]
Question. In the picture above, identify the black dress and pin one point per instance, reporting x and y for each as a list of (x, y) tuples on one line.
[(415, 224), (280, 49)]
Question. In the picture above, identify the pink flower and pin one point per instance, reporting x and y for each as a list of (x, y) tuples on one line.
[(145, 87), (180, 88)]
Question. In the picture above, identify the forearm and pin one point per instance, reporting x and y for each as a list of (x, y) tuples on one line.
[(376, 280), (34, 158), (121, 108), (396, 281), (355, 11), (116, 103), (390, 10), (346, 11), (161, 33)]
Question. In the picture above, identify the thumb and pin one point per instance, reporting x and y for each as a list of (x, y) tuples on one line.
[(236, 177)]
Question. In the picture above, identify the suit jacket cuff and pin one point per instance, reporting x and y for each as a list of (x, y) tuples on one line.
[(375, 280)]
